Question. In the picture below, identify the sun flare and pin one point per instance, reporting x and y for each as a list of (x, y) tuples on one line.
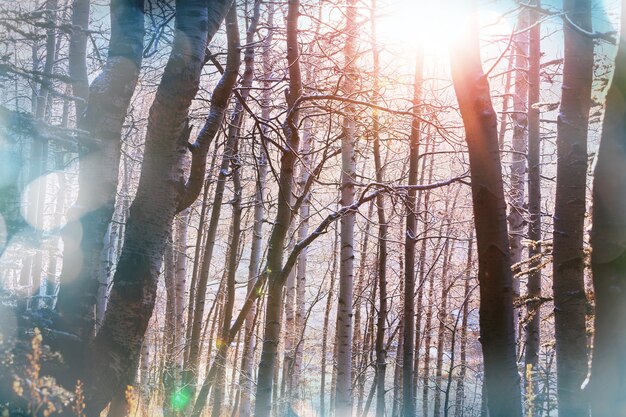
[(434, 24)]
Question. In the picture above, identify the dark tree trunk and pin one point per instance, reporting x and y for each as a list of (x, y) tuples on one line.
[(408, 401), (89, 218), (534, 210), (114, 355), (274, 268), (78, 55), (570, 302), (607, 387), (497, 332)]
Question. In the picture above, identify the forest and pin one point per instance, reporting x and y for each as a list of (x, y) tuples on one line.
[(313, 208)]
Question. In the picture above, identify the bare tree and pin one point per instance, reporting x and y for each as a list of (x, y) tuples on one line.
[(608, 261), (570, 302), (497, 332)]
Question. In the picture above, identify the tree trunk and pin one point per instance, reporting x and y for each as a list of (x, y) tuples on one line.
[(209, 130), (77, 55), (114, 354), (263, 404), (343, 390), (497, 332), (607, 385), (89, 218), (533, 286), (459, 403), (570, 302), (247, 355), (329, 300), (408, 401), (516, 218), (381, 323)]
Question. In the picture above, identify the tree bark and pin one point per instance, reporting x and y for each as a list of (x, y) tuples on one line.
[(206, 135), (78, 55), (533, 286), (408, 401), (282, 221), (608, 261), (570, 302), (114, 354), (89, 217), (517, 196), (343, 389), (497, 332)]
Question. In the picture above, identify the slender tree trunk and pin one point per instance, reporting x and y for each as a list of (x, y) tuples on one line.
[(408, 401), (209, 131), (381, 323), (301, 272), (396, 407), (516, 218), (78, 55), (329, 301), (497, 332), (343, 399), (607, 385), (442, 316), (422, 271), (232, 152), (247, 355), (570, 302), (263, 404), (533, 286), (428, 331), (460, 385)]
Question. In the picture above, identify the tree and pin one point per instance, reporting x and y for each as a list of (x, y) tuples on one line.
[(497, 332), (608, 260), (343, 390), (274, 268), (109, 98), (533, 285), (113, 356), (570, 302)]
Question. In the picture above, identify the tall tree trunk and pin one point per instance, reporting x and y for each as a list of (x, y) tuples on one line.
[(422, 269), (209, 130), (301, 271), (408, 401), (381, 323), (459, 403), (343, 394), (442, 316), (497, 332), (232, 165), (232, 153), (570, 302), (77, 55), (274, 268), (428, 331), (247, 355), (516, 218), (329, 300), (114, 354), (89, 218), (608, 367), (533, 286)]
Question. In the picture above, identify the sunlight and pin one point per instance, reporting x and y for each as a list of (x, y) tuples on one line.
[(433, 23)]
